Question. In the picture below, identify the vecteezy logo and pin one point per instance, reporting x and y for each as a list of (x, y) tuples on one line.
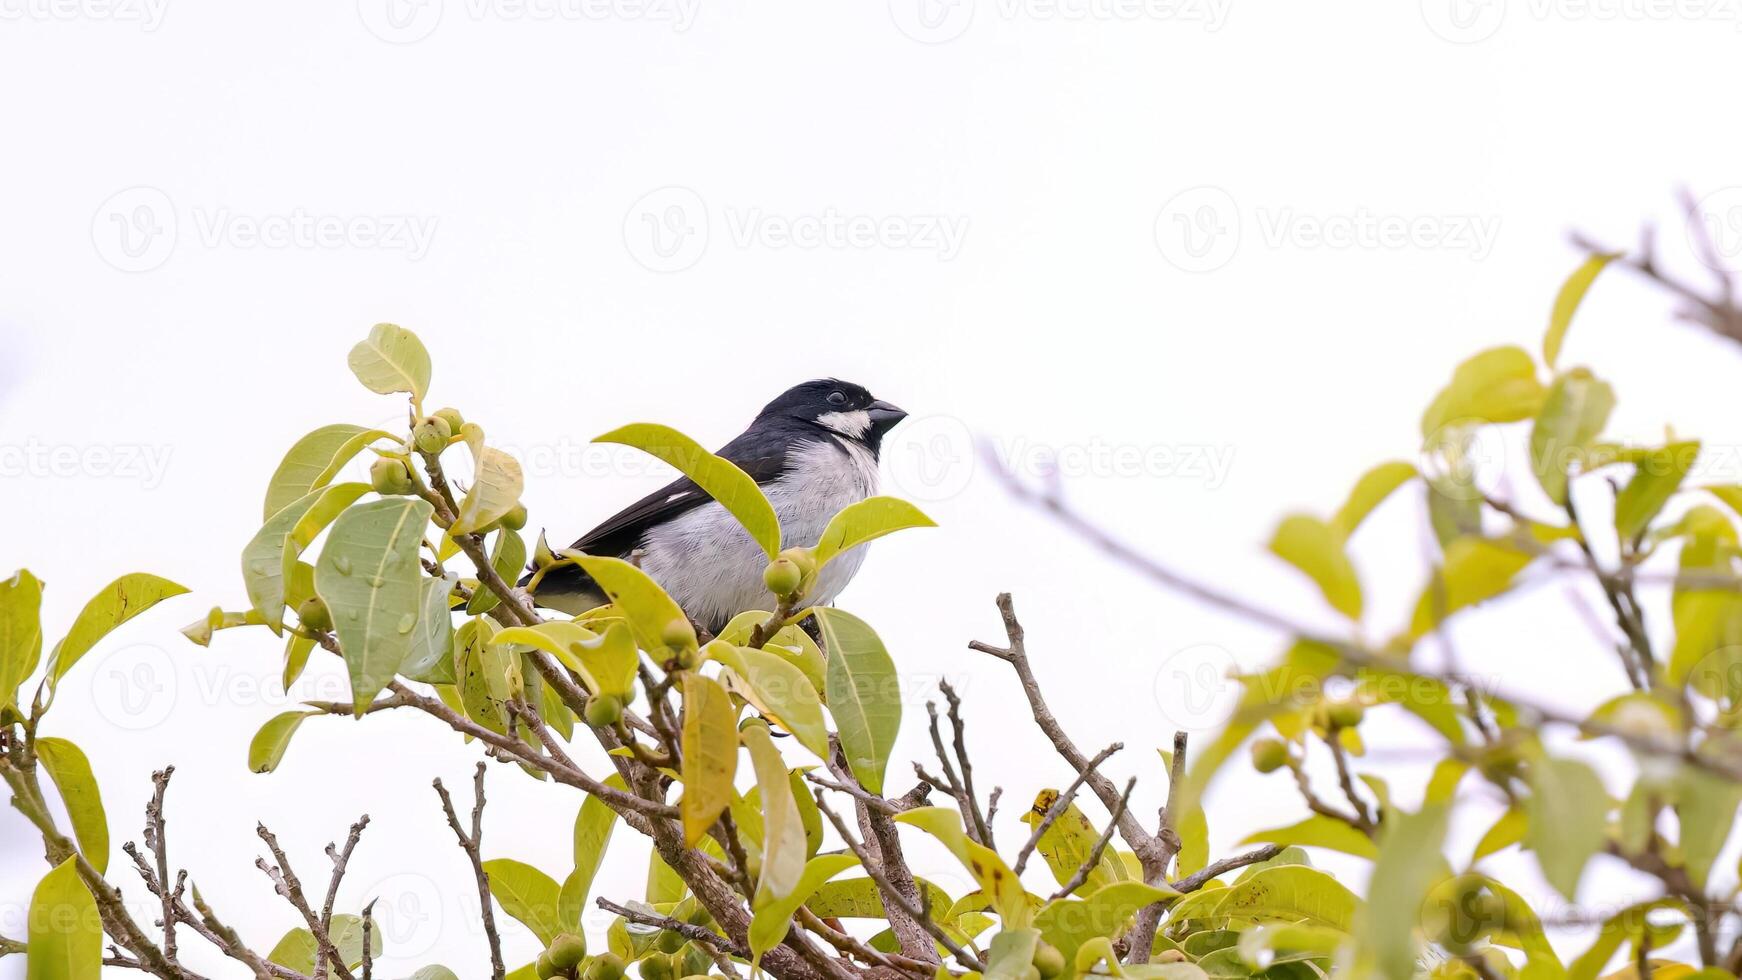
[(667, 229), (1717, 220), (135, 687), (931, 458), (1196, 688), (932, 21), (1463, 21), (135, 229), (400, 21), (409, 913), (1198, 229)]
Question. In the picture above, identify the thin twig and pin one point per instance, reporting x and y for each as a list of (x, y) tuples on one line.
[(1093, 861), (1059, 806), (470, 844)]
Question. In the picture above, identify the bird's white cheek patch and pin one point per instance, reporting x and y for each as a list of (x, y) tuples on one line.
[(850, 424)]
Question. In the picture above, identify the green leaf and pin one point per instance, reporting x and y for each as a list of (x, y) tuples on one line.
[(296, 950), (1370, 491), (1408, 864), (296, 654), (1507, 830), (1011, 954), (330, 503), (1475, 570), (314, 461), (1705, 805), (593, 826), (1566, 303), (392, 359), (1069, 922), (431, 659), (1069, 841), (71, 773), (779, 691), (710, 754), (791, 642), (783, 843), (1569, 815), (607, 662), (1318, 831), (664, 886), (1655, 479), (648, 610), (434, 973), (769, 925), (858, 898), (1292, 892), (719, 478), (121, 600), (267, 748), (368, 575), (1572, 417), (66, 935), (988, 869), (527, 894), (507, 554), (263, 561), (497, 483), (1316, 548), (864, 694), (481, 673), (864, 521), (20, 631), (1496, 385)]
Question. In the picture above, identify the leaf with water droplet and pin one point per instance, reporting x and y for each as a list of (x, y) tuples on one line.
[(368, 608)]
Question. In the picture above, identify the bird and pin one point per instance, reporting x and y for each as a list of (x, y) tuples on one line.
[(813, 450)]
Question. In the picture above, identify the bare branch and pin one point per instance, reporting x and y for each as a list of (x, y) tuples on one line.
[(1093, 861), (1059, 806), (469, 843), (289, 887), (700, 934)]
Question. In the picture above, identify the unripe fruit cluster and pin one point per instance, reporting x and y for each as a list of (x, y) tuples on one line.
[(562, 958), (431, 434), (389, 477)]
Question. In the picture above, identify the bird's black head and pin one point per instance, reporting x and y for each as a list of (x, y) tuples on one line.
[(841, 407)]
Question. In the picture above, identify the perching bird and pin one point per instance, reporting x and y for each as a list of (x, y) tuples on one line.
[(813, 450)]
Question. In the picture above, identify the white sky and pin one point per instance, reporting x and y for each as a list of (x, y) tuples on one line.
[(993, 179)]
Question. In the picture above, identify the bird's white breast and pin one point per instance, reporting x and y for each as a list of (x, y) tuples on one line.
[(710, 565)]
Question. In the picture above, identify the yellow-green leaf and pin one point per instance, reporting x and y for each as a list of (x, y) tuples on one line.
[(263, 560), (368, 576), (864, 694), (783, 844), (1318, 831), (768, 926), (121, 600), (1505, 832), (66, 935), (497, 483), (606, 661), (1572, 417), (1069, 922), (1068, 842), (527, 894), (1496, 385), (266, 750), (1316, 548), (779, 690), (507, 554), (710, 754), (1655, 479), (1566, 303), (867, 520), (650, 612), (1407, 865), (392, 359), (1476, 569), (593, 826), (1370, 491), (988, 869), (431, 659), (1568, 810), (314, 461), (719, 478), (481, 673), (71, 773), (20, 631)]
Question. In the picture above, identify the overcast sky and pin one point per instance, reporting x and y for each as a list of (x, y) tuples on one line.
[(1214, 257)]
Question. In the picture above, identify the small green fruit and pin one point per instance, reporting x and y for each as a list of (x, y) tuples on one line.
[(668, 941), (314, 614), (1170, 956), (567, 951), (432, 434), (515, 519), (656, 966), (1346, 714), (804, 558), (678, 634), (605, 966), (545, 968), (389, 477), (1030, 972), (1048, 960), (1269, 755), (604, 709), (452, 417), (782, 576)]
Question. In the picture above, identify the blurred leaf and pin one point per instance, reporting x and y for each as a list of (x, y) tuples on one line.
[(1572, 417), (648, 609), (1069, 841), (988, 869), (313, 463), (431, 658), (496, 487), (66, 935), (719, 478), (1629, 923), (593, 826), (1655, 479), (1318, 831), (1566, 303), (1370, 491), (1506, 831), (1568, 809), (1292, 892), (368, 575), (20, 631), (769, 925), (1705, 806), (527, 894), (1069, 922), (710, 754), (266, 750), (864, 694), (507, 554), (1194, 850), (392, 359), (779, 691), (120, 600), (1316, 548), (71, 773), (1475, 570), (1408, 864), (864, 521), (1496, 385), (783, 844)]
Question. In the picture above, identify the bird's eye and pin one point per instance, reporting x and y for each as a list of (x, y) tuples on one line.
[(837, 398)]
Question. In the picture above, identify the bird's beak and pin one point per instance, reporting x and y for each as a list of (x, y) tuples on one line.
[(884, 415)]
